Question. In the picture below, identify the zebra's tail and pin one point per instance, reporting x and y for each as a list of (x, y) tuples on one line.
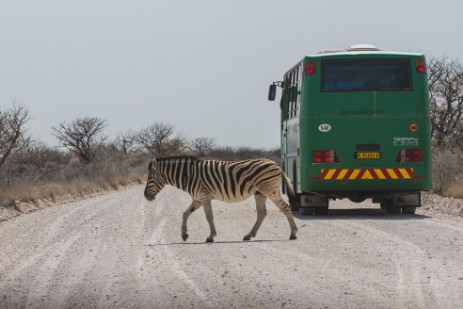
[(290, 189)]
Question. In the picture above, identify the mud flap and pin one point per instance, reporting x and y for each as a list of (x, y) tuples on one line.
[(406, 200), (313, 201)]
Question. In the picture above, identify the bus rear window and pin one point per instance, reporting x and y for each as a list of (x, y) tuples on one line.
[(339, 75)]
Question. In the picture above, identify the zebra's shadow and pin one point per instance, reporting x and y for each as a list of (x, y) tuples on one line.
[(214, 243)]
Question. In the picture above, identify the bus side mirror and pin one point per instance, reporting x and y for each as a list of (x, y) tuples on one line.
[(272, 92)]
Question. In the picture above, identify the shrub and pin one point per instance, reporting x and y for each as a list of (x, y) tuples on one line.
[(447, 171), (42, 172)]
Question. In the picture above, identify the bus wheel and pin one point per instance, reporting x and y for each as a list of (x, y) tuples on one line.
[(393, 210), (384, 205), (306, 211), (321, 211), (295, 203), (409, 210), (357, 199)]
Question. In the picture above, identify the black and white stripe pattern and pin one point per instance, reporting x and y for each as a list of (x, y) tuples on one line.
[(229, 181)]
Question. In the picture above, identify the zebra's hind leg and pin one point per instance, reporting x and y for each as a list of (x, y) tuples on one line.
[(193, 206), (261, 213), (275, 196), (210, 219)]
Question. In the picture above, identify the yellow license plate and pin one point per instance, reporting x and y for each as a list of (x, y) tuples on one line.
[(368, 155)]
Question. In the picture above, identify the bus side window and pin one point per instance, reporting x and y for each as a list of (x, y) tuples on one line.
[(285, 99), (293, 96), (290, 98), (299, 88), (294, 93)]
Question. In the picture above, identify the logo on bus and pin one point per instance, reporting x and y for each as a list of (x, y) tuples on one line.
[(405, 141), (324, 127)]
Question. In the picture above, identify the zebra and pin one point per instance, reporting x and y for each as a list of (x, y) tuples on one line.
[(229, 181)]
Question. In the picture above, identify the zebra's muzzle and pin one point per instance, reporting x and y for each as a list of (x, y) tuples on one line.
[(150, 197)]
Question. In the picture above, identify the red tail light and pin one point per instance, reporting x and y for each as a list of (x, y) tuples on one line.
[(420, 66), (324, 156), (310, 68), (410, 155)]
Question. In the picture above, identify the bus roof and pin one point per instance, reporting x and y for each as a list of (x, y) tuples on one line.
[(360, 49)]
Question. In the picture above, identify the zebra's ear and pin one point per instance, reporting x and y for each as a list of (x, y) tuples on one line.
[(153, 162)]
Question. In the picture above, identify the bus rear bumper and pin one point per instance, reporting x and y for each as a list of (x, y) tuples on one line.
[(399, 198)]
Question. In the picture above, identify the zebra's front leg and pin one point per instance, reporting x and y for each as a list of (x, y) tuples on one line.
[(261, 213), (210, 219), (193, 206)]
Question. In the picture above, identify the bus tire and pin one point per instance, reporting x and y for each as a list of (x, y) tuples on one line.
[(409, 210), (306, 211), (294, 203), (284, 188), (393, 210), (321, 211)]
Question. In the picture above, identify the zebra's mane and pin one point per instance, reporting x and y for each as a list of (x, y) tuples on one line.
[(177, 158)]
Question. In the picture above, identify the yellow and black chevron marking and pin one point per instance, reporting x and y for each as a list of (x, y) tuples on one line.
[(365, 174)]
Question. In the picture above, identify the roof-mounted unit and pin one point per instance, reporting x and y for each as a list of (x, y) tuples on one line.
[(331, 51), (353, 48), (362, 47)]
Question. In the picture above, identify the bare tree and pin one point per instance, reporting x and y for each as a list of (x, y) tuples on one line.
[(83, 136), (13, 136), (126, 141), (155, 137), (201, 145), (176, 146), (445, 81)]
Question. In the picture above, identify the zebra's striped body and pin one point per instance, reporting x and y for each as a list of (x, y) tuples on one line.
[(229, 181)]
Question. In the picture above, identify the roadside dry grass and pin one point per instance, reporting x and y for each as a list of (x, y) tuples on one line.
[(456, 189), (47, 174), (447, 172), (28, 192), (44, 173)]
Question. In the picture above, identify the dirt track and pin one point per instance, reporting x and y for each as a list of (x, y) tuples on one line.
[(120, 251)]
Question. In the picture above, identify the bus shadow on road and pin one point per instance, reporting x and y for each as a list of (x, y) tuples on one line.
[(359, 214)]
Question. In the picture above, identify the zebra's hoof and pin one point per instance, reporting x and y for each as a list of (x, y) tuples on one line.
[(292, 237), (184, 236), (247, 238), (209, 239)]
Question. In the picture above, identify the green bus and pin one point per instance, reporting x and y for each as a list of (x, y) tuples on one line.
[(355, 124)]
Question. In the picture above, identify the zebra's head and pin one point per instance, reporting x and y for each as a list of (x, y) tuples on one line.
[(155, 181)]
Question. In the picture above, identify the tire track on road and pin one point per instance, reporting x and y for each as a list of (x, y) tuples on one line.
[(410, 260), (158, 240), (157, 244), (46, 278)]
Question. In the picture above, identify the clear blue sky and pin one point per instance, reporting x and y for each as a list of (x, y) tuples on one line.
[(203, 66)]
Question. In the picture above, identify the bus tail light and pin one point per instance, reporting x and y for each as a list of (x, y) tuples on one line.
[(410, 155), (420, 66), (324, 156), (310, 68)]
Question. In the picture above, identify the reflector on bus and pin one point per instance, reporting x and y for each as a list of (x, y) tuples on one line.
[(420, 66), (310, 68)]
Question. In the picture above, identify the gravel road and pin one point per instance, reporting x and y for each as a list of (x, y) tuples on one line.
[(120, 251)]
